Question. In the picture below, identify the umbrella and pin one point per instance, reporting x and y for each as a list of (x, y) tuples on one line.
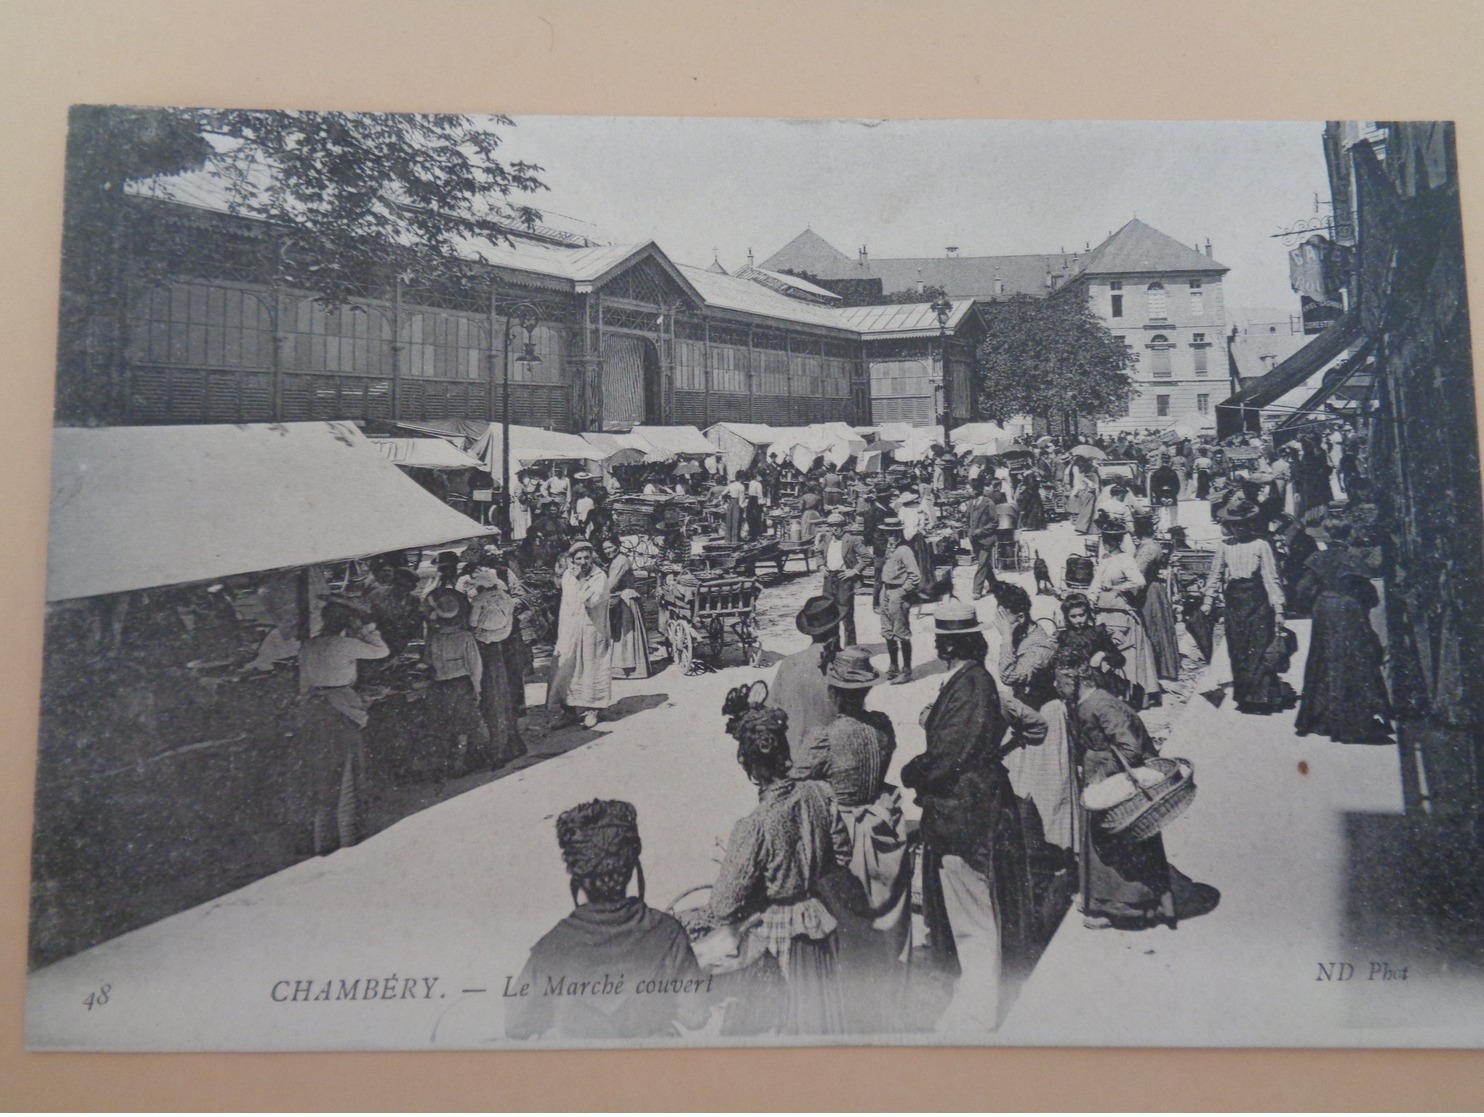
[(1086, 451), (1017, 451), (1045, 440), (685, 469)]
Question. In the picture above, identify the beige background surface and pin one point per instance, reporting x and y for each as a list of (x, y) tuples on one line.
[(1252, 59)]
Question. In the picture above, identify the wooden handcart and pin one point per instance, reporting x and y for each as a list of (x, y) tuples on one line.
[(699, 616)]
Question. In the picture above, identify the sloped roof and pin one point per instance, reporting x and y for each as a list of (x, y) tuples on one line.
[(1249, 349), (810, 252), (1302, 364), (771, 278), (731, 293), (138, 507), (971, 276), (1138, 247), (901, 319)]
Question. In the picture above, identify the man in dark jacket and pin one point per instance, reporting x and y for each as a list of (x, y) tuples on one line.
[(1164, 493)]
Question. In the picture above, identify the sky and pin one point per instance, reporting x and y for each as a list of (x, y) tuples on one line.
[(912, 188)]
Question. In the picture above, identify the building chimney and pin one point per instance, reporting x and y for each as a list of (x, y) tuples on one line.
[(951, 251), (749, 257), (865, 259), (1208, 248)]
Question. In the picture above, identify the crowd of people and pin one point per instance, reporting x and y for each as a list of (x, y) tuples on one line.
[(809, 928)]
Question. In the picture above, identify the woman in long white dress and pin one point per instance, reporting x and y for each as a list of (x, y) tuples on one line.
[(581, 663)]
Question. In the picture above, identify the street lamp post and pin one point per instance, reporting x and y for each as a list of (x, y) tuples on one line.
[(943, 308), (529, 318)]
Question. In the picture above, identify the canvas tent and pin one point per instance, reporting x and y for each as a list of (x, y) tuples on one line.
[(532, 444), (985, 439), (739, 444), (138, 507), (668, 443), (425, 453)]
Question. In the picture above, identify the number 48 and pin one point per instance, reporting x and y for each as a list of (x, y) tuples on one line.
[(97, 999)]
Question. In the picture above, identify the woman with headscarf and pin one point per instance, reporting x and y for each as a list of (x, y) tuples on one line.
[(774, 869), (625, 616), (977, 893), (852, 754), (326, 774), (492, 618), (581, 662), (614, 968), (1117, 592), (1246, 565), (1043, 775), (1082, 480), (1344, 696), (1155, 608), (1124, 884)]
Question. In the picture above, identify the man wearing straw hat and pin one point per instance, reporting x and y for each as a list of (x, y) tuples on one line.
[(844, 559), (581, 663)]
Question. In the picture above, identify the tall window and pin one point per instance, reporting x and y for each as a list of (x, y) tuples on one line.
[(1203, 403), (1198, 342), (1197, 299), (445, 346), (1162, 406), (1116, 308), (1159, 355), (1157, 308), (690, 366)]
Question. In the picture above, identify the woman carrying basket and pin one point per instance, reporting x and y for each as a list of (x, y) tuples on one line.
[(1124, 884)]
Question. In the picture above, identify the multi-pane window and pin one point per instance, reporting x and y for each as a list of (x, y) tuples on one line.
[(1159, 355), (1162, 406), (1200, 354), (1197, 299), (351, 338), (836, 382), (807, 371), (690, 366), (444, 346), (202, 324), (901, 378), (1156, 296), (1115, 289), (1203, 403), (728, 368), (772, 373)]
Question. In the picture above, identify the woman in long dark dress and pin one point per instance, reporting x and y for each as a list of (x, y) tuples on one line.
[(1032, 508), (977, 892), (1344, 692), (1248, 566), (1155, 608), (1124, 884)]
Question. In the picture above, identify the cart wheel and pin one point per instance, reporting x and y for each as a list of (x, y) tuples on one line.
[(717, 634), (682, 646)]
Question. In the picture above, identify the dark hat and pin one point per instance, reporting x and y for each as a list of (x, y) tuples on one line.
[(599, 838), (1239, 511), (820, 614), (344, 602), (955, 616), (851, 669)]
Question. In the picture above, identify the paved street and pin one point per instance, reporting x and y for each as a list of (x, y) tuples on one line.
[(458, 892)]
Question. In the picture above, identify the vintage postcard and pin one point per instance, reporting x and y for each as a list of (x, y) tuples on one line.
[(577, 582)]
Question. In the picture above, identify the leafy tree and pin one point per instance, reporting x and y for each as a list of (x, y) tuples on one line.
[(1049, 356), (342, 200)]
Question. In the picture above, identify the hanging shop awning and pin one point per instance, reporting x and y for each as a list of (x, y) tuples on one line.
[(1344, 391), (1232, 413), (673, 442), (459, 431), (137, 507), (425, 453)]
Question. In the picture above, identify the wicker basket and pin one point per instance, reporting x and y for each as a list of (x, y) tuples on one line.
[(1149, 809)]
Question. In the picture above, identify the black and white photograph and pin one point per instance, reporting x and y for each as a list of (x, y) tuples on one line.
[(536, 581)]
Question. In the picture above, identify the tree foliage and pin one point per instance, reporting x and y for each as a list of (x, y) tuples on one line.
[(347, 195), (1048, 356)]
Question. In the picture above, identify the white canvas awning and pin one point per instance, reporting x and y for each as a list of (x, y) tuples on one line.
[(425, 453), (671, 442), (982, 438), (136, 507), (532, 444)]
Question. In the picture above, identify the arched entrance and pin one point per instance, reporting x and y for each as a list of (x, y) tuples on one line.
[(631, 381)]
